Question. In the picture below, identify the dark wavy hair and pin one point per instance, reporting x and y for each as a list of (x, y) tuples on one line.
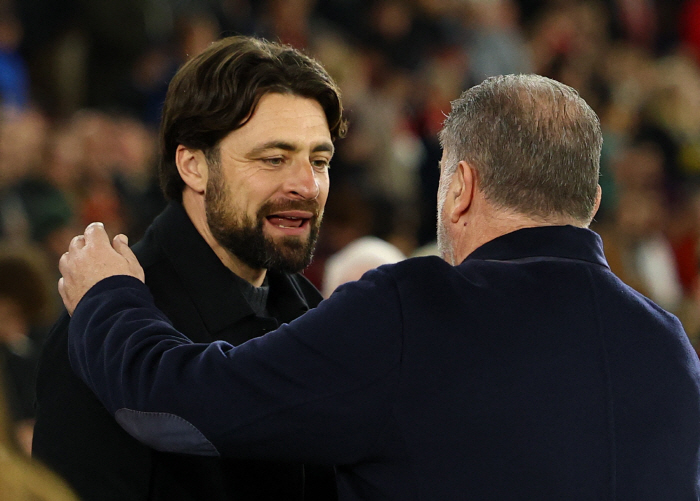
[(217, 91)]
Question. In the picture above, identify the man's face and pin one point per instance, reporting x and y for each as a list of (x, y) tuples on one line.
[(265, 197)]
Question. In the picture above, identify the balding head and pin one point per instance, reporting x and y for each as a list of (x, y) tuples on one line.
[(534, 143)]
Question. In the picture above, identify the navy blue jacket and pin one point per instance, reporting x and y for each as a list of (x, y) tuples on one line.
[(527, 372), (80, 440)]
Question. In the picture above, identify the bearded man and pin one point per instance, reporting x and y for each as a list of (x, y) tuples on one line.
[(246, 140), (517, 368)]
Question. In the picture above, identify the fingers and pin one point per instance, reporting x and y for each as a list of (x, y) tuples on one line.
[(63, 262), (121, 245), (120, 241), (64, 296), (91, 258), (122, 238), (95, 234), (77, 242)]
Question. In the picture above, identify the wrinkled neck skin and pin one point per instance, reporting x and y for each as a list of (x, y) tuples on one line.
[(484, 222), (468, 219)]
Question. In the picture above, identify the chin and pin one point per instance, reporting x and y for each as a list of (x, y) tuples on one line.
[(295, 241)]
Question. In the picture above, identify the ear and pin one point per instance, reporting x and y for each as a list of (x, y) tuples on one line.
[(462, 190), (193, 168), (598, 196)]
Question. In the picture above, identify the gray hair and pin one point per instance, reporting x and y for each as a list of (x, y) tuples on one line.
[(534, 143)]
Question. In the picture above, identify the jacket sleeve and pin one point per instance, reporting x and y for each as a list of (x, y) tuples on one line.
[(318, 389)]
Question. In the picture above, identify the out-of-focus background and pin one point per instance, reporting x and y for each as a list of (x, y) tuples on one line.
[(82, 82)]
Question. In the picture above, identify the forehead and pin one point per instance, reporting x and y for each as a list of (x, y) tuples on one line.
[(283, 117)]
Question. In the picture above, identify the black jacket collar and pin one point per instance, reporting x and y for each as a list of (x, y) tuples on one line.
[(563, 242), (213, 287)]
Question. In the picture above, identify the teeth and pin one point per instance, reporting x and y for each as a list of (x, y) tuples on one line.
[(287, 222)]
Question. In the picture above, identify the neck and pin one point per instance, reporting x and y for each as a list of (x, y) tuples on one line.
[(196, 210), (486, 225)]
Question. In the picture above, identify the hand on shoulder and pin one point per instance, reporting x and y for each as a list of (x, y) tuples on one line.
[(90, 258)]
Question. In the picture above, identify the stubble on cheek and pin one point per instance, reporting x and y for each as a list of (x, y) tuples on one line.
[(443, 238)]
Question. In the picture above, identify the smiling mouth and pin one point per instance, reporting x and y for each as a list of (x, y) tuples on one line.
[(287, 221)]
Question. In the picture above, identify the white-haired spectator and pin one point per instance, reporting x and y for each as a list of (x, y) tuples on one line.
[(355, 259)]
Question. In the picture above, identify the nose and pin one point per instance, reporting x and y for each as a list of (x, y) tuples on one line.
[(303, 182)]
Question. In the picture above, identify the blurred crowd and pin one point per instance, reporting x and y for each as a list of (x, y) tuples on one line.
[(82, 81)]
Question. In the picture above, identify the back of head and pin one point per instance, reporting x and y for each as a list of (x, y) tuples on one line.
[(359, 256), (534, 143), (26, 283), (217, 91)]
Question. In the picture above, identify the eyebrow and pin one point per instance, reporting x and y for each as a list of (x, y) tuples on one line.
[(283, 145)]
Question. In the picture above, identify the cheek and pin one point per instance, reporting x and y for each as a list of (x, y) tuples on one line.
[(250, 197), (441, 196), (324, 188)]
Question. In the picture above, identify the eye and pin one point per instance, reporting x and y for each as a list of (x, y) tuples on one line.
[(321, 164), (274, 161)]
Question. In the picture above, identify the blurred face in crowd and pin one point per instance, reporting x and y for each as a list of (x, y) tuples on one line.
[(13, 324), (268, 187)]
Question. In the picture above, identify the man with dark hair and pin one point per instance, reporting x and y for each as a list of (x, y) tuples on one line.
[(519, 367), (246, 139)]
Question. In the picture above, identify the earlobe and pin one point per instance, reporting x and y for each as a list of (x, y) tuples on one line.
[(463, 192), (193, 168)]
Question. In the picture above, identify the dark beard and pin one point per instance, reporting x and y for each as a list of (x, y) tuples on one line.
[(245, 239)]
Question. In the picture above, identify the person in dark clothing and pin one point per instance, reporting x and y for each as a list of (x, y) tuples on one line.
[(246, 139), (516, 367), (25, 307)]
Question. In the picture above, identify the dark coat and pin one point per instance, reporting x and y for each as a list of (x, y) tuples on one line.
[(80, 440), (528, 372)]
